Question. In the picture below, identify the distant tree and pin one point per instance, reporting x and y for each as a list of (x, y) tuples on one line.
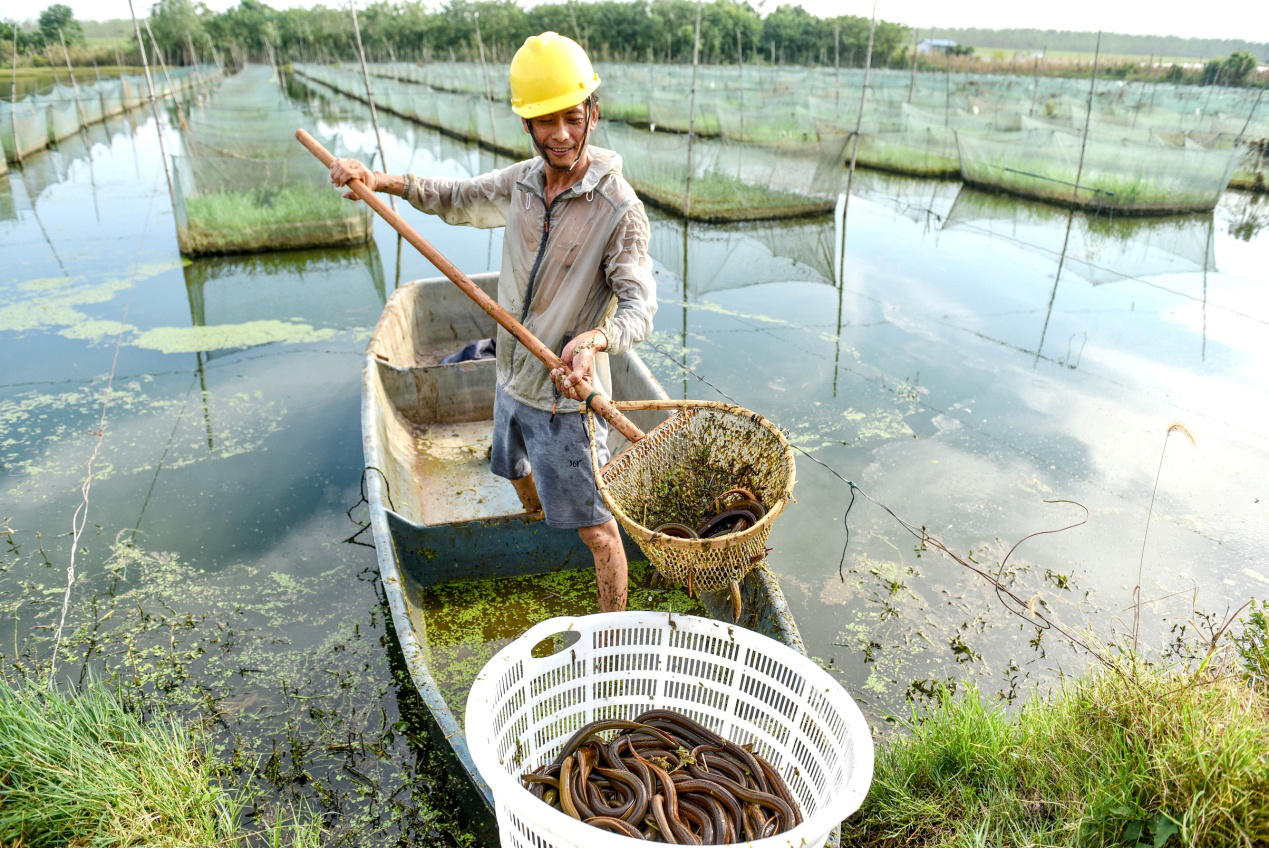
[(1237, 68), (59, 16), (177, 24)]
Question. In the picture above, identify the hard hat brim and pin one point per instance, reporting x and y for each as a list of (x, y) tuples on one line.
[(557, 104)]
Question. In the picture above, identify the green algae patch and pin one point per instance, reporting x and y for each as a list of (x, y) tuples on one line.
[(468, 621), (226, 336), (55, 302)]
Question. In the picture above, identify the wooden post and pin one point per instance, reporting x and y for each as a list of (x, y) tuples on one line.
[(837, 69), (740, 64), (79, 104), (859, 123), (1088, 118), (154, 105), (13, 98), (374, 119), (691, 114), (180, 113), (912, 81), (484, 70)]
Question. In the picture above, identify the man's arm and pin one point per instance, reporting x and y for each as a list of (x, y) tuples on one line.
[(479, 201), (629, 275)]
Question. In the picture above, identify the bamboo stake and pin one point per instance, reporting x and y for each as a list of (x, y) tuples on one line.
[(599, 403), (691, 114), (13, 99), (1088, 119), (912, 81), (740, 64), (837, 69), (484, 70), (180, 113), (374, 119), (79, 104), (154, 105), (854, 148)]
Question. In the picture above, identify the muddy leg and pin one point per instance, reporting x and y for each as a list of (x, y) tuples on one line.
[(528, 492), (604, 541)]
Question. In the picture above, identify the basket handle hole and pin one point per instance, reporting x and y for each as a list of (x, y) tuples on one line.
[(553, 644)]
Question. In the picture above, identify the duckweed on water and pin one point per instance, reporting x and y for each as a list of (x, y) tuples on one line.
[(229, 336)]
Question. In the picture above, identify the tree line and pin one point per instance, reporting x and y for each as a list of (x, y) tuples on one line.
[(638, 30)]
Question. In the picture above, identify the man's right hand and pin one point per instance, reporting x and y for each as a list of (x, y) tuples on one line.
[(343, 170)]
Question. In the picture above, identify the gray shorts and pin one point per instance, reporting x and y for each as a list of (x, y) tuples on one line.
[(557, 453)]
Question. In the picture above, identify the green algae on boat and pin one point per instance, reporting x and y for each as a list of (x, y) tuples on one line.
[(469, 621)]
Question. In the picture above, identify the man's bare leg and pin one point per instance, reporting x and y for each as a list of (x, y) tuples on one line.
[(604, 541), (528, 492)]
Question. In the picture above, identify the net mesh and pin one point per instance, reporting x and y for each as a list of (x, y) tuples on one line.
[(677, 473), (244, 185)]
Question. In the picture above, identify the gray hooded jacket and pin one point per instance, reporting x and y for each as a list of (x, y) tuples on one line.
[(582, 264)]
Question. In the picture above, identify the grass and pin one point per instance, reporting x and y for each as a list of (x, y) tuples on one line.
[(80, 769), (296, 215), (716, 197), (1125, 756)]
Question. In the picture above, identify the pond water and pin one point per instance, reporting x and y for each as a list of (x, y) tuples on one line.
[(983, 371)]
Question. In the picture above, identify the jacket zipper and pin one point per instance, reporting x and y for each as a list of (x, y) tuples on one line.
[(537, 260)]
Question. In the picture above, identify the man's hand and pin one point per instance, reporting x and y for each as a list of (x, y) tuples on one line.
[(579, 361), (343, 170)]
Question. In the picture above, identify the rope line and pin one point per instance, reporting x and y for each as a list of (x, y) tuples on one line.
[(1024, 609), (79, 519)]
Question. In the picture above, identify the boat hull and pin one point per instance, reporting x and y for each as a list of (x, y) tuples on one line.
[(426, 538)]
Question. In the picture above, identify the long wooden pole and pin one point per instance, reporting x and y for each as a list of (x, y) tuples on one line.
[(599, 403)]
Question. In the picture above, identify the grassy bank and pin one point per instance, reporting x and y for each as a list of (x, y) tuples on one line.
[(82, 770), (1127, 756)]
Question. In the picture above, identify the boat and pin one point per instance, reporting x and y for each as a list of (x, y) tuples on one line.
[(440, 516)]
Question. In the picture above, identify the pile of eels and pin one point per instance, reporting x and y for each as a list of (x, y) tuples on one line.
[(665, 778)]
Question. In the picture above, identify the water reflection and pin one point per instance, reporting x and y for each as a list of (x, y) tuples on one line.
[(717, 257), (327, 287), (1097, 248)]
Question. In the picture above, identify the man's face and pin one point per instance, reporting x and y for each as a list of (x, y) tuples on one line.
[(561, 133)]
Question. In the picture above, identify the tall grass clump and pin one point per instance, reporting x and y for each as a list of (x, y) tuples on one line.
[(82, 770), (1128, 755)]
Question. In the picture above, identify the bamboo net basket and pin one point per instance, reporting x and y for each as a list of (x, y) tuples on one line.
[(706, 447)]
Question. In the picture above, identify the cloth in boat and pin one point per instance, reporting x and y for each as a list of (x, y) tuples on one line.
[(589, 269), (482, 349)]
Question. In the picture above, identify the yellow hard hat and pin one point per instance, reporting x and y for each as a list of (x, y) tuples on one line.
[(549, 73)]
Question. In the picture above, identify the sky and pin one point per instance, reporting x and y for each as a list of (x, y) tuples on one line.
[(1210, 19)]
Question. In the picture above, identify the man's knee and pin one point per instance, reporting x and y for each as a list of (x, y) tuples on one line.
[(601, 538)]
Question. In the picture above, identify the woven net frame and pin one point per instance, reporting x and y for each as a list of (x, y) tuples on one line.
[(708, 446)]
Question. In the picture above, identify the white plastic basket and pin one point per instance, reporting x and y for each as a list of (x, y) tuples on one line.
[(742, 685)]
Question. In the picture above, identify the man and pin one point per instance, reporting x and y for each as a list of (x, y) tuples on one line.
[(575, 271)]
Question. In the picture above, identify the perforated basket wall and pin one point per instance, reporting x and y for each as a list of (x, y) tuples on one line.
[(727, 446), (742, 685)]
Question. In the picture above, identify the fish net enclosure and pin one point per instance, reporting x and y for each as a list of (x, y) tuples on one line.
[(730, 181), (40, 120), (23, 128), (1127, 177), (678, 473), (242, 183)]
